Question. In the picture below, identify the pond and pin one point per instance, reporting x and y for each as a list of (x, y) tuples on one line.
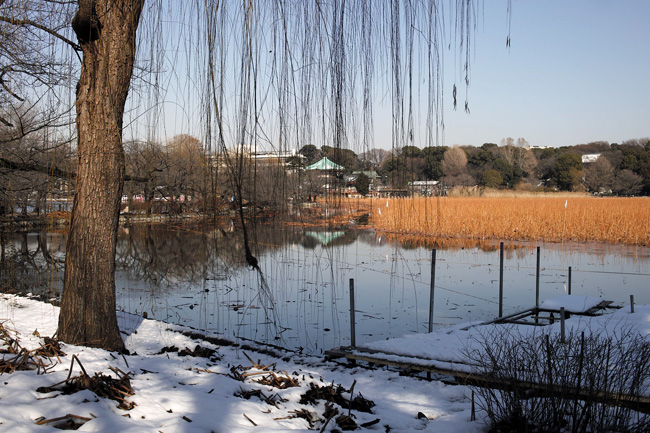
[(196, 275)]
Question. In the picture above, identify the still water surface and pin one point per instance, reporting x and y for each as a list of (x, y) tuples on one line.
[(196, 276)]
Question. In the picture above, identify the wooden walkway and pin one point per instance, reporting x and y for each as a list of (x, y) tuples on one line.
[(466, 374), (404, 362), (462, 376), (538, 316)]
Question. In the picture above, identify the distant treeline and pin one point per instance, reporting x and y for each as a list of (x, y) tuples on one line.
[(598, 167), (180, 176)]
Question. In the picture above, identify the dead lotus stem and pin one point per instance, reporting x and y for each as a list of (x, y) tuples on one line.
[(289, 378), (257, 364), (251, 361), (61, 418), (251, 421), (256, 373)]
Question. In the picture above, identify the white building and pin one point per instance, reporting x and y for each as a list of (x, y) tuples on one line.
[(590, 157)]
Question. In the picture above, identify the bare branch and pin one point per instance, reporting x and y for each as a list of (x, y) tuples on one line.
[(7, 89), (16, 22), (5, 122), (55, 171)]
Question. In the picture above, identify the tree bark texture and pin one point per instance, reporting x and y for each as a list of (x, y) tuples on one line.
[(106, 30)]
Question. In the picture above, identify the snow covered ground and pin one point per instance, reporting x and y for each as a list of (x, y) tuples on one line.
[(177, 392), (193, 394), (447, 347)]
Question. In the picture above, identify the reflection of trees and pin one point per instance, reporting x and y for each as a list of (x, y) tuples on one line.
[(165, 254), (27, 261), (158, 255), (155, 254)]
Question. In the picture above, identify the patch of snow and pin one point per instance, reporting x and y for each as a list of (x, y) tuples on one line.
[(571, 303), (192, 394), (175, 393)]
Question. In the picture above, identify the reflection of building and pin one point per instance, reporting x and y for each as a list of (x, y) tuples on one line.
[(325, 238)]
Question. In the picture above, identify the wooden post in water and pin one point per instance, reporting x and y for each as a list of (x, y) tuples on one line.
[(473, 412), (569, 280), (353, 339), (562, 328), (537, 281), (631, 303), (501, 280), (431, 287), (431, 293)]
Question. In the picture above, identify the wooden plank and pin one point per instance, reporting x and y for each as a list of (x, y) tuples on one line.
[(640, 403), (521, 322), (345, 351), (590, 312), (504, 318)]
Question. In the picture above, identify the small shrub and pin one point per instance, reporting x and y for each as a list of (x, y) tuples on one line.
[(586, 384)]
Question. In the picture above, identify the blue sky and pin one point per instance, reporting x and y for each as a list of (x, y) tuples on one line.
[(577, 71)]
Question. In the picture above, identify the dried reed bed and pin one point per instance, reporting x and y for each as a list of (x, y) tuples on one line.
[(545, 218)]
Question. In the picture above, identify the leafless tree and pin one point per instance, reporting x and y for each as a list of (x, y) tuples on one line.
[(627, 183), (519, 156), (143, 160), (374, 157), (32, 161), (454, 162), (183, 178), (599, 175), (454, 167)]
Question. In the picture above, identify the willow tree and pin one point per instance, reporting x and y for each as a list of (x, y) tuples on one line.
[(106, 30), (280, 74)]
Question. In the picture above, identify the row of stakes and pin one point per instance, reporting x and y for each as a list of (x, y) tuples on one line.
[(432, 286)]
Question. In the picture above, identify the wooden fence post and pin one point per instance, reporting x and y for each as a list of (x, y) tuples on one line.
[(501, 280), (353, 339), (431, 288)]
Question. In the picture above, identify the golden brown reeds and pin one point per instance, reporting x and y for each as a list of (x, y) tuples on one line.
[(545, 218)]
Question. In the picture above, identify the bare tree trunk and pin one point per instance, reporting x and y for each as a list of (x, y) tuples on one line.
[(106, 30), (148, 197)]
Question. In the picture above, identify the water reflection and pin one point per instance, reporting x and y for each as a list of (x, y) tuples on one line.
[(31, 262), (196, 275)]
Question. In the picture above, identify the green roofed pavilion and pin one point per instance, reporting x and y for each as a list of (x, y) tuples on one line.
[(325, 164)]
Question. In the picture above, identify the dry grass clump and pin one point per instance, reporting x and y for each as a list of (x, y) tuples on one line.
[(14, 357), (545, 218), (55, 215)]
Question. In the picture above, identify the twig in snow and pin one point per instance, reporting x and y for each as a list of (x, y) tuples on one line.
[(252, 422), (351, 395)]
